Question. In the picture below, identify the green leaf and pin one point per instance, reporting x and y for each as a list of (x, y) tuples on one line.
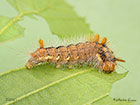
[(46, 85), (63, 21), (10, 29), (108, 101)]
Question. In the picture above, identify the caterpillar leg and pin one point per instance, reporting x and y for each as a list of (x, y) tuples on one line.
[(104, 40), (70, 66), (96, 38), (41, 43), (79, 65), (89, 64), (58, 66)]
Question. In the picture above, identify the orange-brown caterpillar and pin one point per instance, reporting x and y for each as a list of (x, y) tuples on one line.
[(91, 52)]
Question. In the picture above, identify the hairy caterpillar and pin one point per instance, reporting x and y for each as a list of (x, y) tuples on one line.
[(91, 52)]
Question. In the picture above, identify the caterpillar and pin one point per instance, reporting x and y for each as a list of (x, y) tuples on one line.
[(92, 52)]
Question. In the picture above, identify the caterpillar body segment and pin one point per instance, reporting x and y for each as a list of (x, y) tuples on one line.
[(92, 52)]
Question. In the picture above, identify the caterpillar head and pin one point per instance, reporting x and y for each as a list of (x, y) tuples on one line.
[(108, 67), (109, 61), (105, 57)]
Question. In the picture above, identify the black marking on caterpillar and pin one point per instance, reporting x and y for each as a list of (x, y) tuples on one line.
[(91, 52)]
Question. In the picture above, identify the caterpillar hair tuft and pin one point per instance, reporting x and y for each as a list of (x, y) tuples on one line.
[(92, 52)]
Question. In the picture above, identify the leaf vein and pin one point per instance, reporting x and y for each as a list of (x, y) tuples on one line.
[(96, 99), (18, 17), (46, 86)]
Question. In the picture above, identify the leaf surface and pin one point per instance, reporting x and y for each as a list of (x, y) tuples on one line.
[(10, 29), (63, 21), (46, 85)]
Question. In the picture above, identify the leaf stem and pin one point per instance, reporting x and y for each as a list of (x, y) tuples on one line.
[(18, 17), (10, 23)]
